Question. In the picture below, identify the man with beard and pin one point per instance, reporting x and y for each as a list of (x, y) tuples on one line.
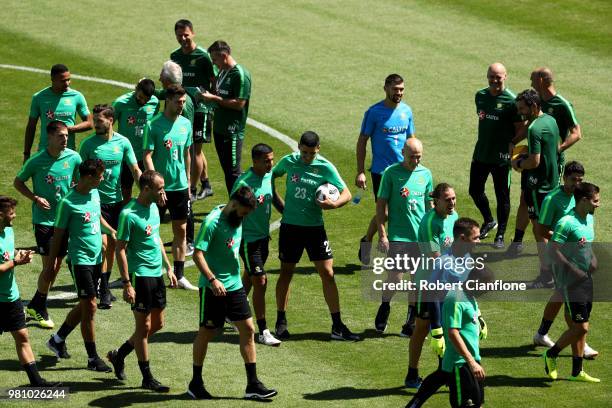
[(140, 252), (57, 102), (132, 112), (53, 171), (198, 75), (221, 293), (574, 263), (166, 150), (12, 318), (115, 151), (388, 124), (498, 122), (78, 215)]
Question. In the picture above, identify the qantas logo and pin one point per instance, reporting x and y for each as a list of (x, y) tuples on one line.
[(87, 217), (168, 144), (49, 179), (229, 242), (148, 230), (50, 114), (6, 256), (131, 120), (404, 192), (261, 199), (481, 115), (295, 178), (448, 241), (582, 242)]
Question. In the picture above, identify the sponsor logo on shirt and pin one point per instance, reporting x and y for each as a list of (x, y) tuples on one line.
[(6, 256), (148, 230), (551, 110), (404, 192), (87, 216), (261, 198), (394, 129), (448, 241), (582, 242), (229, 242), (49, 179), (499, 105), (67, 102), (193, 62), (66, 164), (295, 178), (482, 115), (116, 149), (168, 144), (50, 114), (131, 120)]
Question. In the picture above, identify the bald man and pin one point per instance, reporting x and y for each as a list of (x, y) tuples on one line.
[(404, 196), (498, 124), (542, 81)]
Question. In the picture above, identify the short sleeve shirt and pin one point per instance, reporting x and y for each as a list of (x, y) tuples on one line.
[(198, 71), (232, 84), (543, 139), (556, 204), (577, 235), (460, 311), (9, 292), (256, 225), (132, 118)]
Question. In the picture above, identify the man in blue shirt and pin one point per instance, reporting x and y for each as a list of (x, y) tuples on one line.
[(388, 123)]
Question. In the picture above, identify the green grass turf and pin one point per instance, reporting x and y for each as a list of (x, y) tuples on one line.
[(319, 65)]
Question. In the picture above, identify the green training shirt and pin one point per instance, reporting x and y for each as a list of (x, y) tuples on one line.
[(460, 311), (139, 227), (543, 139), (555, 205), (9, 292), (256, 225), (168, 141), (49, 106), (79, 215), (435, 235), (188, 108), (577, 234), (407, 194), (563, 111), (132, 118), (496, 118), (220, 243), (232, 84), (301, 186), (113, 153), (51, 180), (198, 71)]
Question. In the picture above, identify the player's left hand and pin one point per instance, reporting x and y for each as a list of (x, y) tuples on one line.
[(172, 278), (162, 199), (484, 330), (129, 294), (23, 257), (326, 204), (208, 97)]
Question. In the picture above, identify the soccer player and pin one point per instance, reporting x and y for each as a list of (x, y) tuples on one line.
[(56, 102), (498, 122), (542, 171), (403, 199), (574, 262), (79, 216), (557, 204), (12, 318), (116, 152), (387, 123), (256, 233), (302, 228), (132, 112), (166, 149), (466, 234), (435, 237), (52, 171), (140, 252), (562, 110), (198, 74), (231, 94), (221, 292)]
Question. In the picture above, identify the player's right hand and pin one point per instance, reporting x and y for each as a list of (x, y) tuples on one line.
[(42, 203), (360, 181), (162, 199), (23, 257), (217, 288), (477, 370), (129, 294), (383, 244)]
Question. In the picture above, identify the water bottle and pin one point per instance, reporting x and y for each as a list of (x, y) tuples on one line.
[(357, 197)]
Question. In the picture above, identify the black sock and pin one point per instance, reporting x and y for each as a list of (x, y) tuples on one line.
[(336, 321), (261, 324), (197, 374), (576, 365), (281, 316), (64, 331), (32, 372), (251, 371), (429, 387), (125, 349), (90, 346), (145, 370), (205, 183), (410, 315), (39, 301), (179, 267), (544, 327), (553, 351), (518, 235), (386, 304), (413, 373)]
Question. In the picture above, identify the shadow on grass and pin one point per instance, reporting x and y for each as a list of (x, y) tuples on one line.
[(187, 337), (94, 384), (348, 269), (525, 350), (351, 393), (126, 399), (373, 334), (507, 381)]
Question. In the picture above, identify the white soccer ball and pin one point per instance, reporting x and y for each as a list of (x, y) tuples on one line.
[(327, 190)]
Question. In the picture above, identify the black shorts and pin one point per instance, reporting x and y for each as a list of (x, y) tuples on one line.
[(376, 183), (202, 127), (214, 309), (464, 387), (12, 317), (43, 234), (86, 278), (292, 240), (178, 204), (533, 199), (578, 300), (110, 213), (254, 255), (127, 180), (150, 293)]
